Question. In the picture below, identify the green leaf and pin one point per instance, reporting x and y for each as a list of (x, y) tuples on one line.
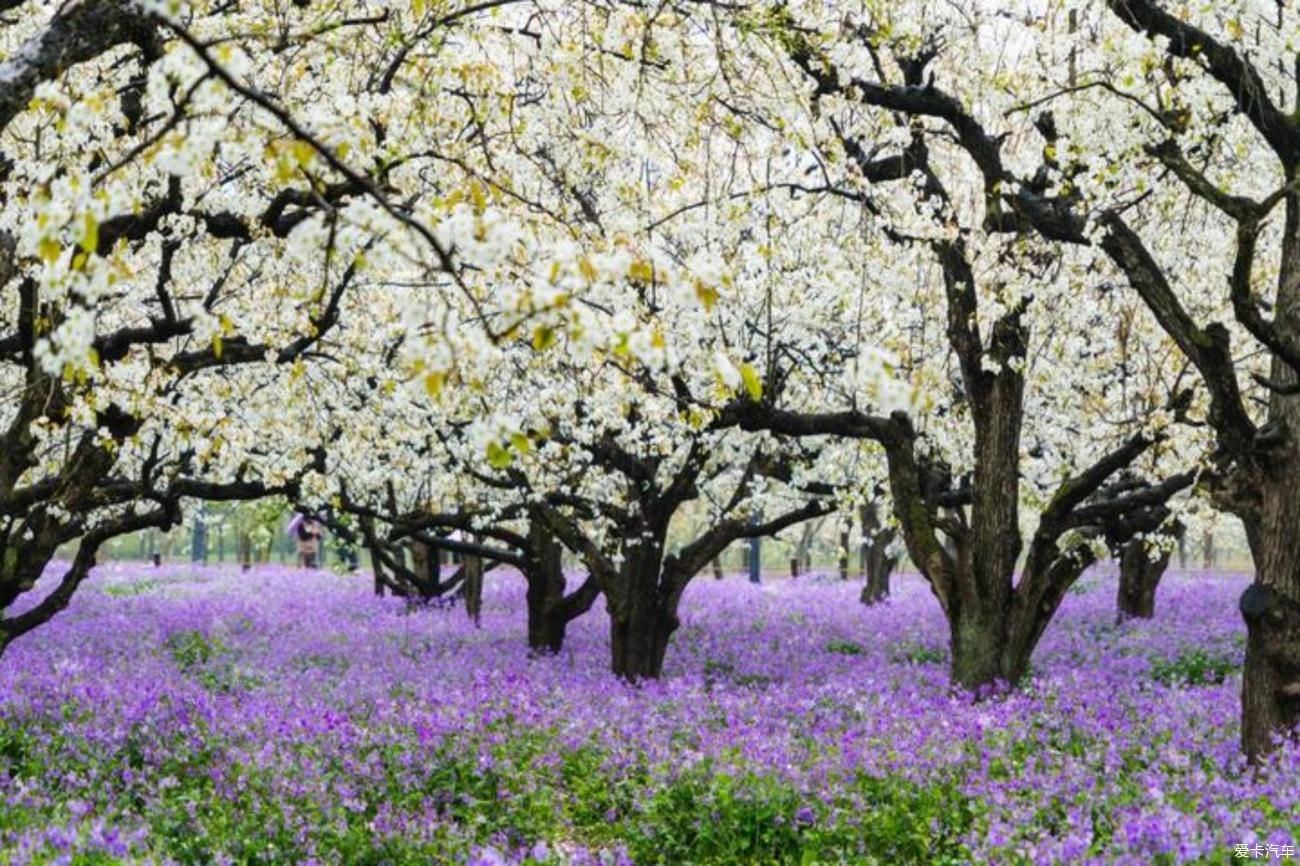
[(543, 338), (753, 383), (90, 233), (498, 456)]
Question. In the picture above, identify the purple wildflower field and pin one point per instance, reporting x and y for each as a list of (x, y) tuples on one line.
[(195, 715)]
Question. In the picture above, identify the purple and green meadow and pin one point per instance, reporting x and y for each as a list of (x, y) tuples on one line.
[(202, 716)]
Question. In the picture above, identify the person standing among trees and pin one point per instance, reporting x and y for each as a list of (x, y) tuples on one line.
[(309, 534)]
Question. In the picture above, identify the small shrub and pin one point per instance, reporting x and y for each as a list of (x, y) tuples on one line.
[(716, 671), (208, 661), (135, 587), (191, 648), (916, 654), (845, 648), (1193, 667), (756, 681)]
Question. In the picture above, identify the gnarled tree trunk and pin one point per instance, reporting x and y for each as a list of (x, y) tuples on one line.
[(644, 587), (641, 622), (1139, 575), (549, 610), (1271, 606)]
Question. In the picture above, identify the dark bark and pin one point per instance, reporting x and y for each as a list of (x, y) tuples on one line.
[(538, 555), (550, 610), (1139, 575), (1271, 678), (643, 591), (421, 581), (79, 32), (20, 571), (1271, 607), (199, 539), (642, 618), (980, 651), (425, 564), (473, 588), (546, 584), (844, 553)]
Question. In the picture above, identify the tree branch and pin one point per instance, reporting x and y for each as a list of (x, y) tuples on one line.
[(1231, 70)]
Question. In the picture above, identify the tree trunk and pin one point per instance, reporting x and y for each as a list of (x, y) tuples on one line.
[(755, 556), (877, 564), (1270, 694), (639, 641), (794, 566), (1209, 555), (640, 621), (1139, 576), (1271, 606), (546, 630), (473, 566), (425, 567), (803, 551), (21, 568), (980, 650), (844, 553), (377, 572), (199, 537), (879, 567), (717, 568), (545, 575)]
